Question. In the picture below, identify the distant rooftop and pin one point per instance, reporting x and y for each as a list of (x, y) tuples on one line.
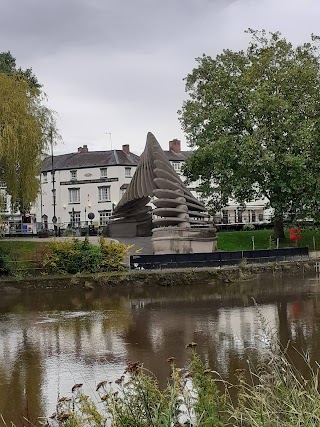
[(90, 159)]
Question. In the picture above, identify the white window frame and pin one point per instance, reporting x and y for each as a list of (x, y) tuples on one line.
[(104, 173), (75, 218), (127, 172), (74, 195), (45, 177), (73, 175), (104, 217), (176, 166), (104, 193)]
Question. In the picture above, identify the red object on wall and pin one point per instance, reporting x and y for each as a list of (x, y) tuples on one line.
[(295, 233)]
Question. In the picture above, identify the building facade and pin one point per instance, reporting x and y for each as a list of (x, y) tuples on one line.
[(83, 187)]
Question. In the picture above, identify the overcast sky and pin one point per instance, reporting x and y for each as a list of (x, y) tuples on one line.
[(117, 66)]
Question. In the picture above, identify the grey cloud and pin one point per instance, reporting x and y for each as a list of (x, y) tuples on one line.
[(50, 26)]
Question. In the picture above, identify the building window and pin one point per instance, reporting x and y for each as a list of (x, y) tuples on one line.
[(45, 177), (104, 173), (73, 175), (176, 166), (74, 195), (122, 191), (75, 219), (127, 172), (104, 194), (104, 217), (225, 217)]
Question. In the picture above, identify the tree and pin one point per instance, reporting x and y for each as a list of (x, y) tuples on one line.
[(253, 118), (25, 125)]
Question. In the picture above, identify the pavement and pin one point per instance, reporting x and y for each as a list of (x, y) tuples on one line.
[(143, 244)]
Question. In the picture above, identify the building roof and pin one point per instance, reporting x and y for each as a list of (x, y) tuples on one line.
[(93, 159), (90, 159), (179, 157)]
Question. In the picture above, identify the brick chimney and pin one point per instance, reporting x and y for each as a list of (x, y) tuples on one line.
[(83, 149), (175, 145), (126, 148)]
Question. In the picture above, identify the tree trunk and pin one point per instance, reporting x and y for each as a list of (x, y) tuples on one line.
[(278, 230)]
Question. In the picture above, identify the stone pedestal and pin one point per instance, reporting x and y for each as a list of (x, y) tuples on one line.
[(127, 228), (178, 240)]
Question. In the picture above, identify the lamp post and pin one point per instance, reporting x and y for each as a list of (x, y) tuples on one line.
[(54, 218)]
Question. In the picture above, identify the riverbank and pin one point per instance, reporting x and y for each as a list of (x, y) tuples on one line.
[(177, 277)]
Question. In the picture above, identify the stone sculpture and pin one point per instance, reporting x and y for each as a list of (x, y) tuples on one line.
[(179, 222)]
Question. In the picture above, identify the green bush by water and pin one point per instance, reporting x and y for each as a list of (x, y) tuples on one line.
[(76, 256)]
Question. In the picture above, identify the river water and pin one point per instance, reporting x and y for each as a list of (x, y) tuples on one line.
[(51, 340)]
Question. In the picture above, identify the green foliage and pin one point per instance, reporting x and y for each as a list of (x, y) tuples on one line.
[(209, 405), (5, 265), (113, 254), (136, 400), (248, 227), (253, 119), (24, 131), (71, 257), (76, 256), (8, 67)]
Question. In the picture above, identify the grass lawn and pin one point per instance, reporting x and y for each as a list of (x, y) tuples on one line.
[(242, 240), (22, 250)]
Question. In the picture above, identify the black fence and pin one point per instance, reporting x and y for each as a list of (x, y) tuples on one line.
[(216, 259)]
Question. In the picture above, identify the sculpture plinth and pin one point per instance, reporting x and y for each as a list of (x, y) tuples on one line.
[(180, 223), (178, 240)]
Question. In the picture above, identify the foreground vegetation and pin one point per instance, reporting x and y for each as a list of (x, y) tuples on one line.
[(22, 258), (271, 393)]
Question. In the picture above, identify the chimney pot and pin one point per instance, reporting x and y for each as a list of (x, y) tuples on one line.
[(83, 149), (126, 148), (175, 145)]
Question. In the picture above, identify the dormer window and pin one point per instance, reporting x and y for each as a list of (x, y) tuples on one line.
[(73, 175)]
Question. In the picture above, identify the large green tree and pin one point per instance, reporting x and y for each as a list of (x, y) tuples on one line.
[(25, 130), (253, 118)]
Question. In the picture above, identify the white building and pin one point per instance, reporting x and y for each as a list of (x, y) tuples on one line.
[(84, 182)]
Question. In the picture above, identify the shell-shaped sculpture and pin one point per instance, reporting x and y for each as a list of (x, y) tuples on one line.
[(156, 179)]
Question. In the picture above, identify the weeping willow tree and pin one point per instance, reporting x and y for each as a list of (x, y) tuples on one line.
[(25, 131)]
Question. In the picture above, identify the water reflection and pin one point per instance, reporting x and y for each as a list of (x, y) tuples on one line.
[(49, 341)]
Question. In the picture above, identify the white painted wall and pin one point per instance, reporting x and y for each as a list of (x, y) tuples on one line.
[(89, 200)]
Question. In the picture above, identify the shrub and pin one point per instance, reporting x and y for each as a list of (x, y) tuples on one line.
[(69, 232), (113, 254), (45, 232), (5, 265), (248, 227), (75, 256)]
